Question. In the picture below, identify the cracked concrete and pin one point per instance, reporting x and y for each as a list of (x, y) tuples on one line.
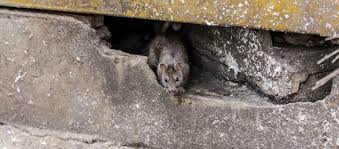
[(18, 136)]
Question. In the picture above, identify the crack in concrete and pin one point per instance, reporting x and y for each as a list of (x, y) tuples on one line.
[(89, 141), (138, 145)]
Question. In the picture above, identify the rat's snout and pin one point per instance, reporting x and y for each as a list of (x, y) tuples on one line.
[(173, 93), (172, 90)]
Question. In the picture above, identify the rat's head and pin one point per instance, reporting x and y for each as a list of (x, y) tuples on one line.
[(171, 76)]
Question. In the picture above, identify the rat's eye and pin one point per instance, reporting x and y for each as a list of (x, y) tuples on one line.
[(176, 79), (166, 80)]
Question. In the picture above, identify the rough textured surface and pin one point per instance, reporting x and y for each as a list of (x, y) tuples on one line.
[(303, 16), (244, 54), (19, 137), (55, 75)]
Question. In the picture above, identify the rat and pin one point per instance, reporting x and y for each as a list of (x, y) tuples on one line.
[(168, 57)]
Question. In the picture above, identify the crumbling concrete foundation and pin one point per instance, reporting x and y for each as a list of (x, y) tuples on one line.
[(56, 74)]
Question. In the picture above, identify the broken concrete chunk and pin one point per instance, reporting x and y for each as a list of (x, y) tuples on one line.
[(104, 33), (306, 94), (248, 55)]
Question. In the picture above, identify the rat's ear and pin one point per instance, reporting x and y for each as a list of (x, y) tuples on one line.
[(179, 67), (163, 67)]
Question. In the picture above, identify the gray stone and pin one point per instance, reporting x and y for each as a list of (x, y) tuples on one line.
[(94, 21), (248, 55), (306, 94), (104, 33), (55, 74), (21, 137)]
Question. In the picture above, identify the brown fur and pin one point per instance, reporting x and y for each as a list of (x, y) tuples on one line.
[(168, 56)]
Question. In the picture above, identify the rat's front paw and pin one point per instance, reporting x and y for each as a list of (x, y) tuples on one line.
[(181, 90), (166, 90)]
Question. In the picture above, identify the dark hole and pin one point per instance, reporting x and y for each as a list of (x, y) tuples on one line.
[(130, 35), (287, 39)]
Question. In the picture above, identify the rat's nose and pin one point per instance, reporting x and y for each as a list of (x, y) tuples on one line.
[(172, 91)]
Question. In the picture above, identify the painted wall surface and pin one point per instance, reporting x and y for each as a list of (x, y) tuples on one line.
[(302, 16)]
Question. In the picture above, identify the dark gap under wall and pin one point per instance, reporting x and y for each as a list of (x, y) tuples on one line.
[(286, 39), (130, 35), (133, 36)]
